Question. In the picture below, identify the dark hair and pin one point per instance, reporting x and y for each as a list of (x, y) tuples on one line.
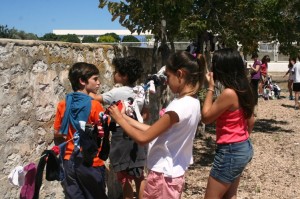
[(194, 67), (228, 68), (254, 55), (265, 59), (290, 65), (129, 66), (83, 71)]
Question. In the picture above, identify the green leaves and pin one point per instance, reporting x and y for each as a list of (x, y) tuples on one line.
[(13, 33), (243, 21)]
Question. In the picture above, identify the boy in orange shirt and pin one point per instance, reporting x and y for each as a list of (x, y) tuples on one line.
[(81, 181)]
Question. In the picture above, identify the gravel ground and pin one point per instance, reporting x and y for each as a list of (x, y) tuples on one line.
[(274, 170)]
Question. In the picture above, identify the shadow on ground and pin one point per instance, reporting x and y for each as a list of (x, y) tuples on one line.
[(204, 147), (270, 126), (287, 106)]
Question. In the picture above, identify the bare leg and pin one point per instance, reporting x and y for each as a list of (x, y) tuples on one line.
[(232, 191), (260, 87), (290, 84), (127, 190), (296, 99), (140, 185), (215, 189)]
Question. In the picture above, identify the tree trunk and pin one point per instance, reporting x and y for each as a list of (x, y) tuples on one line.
[(154, 55)]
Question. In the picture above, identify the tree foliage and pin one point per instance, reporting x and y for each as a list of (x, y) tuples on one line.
[(114, 35), (243, 21), (72, 38), (5, 32), (251, 21), (13, 33), (106, 39), (65, 38), (89, 39), (130, 38), (143, 16), (50, 37), (161, 18)]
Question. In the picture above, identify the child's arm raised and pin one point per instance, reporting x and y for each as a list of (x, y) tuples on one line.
[(211, 110), (142, 133)]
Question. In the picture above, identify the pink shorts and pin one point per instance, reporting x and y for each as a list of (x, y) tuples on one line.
[(160, 187), (123, 177)]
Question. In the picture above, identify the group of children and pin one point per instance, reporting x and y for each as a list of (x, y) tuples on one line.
[(262, 84), (165, 147)]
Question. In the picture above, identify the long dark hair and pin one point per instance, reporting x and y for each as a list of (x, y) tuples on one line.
[(290, 65), (194, 67), (265, 59), (228, 68)]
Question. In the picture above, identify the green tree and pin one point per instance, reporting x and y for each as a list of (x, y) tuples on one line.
[(31, 36), (130, 38), (148, 37), (5, 32), (161, 18), (72, 38), (13, 33), (106, 39), (89, 39), (243, 21), (114, 35), (50, 37), (249, 21)]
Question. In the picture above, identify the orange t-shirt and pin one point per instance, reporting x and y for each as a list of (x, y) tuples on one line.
[(96, 108)]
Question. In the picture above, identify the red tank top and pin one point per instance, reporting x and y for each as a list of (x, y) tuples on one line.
[(231, 127)]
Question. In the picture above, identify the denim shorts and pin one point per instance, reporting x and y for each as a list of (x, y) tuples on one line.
[(230, 160)]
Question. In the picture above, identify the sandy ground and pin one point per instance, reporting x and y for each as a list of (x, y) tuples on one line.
[(274, 170)]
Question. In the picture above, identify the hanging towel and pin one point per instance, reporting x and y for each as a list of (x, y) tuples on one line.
[(16, 176), (27, 190), (78, 107)]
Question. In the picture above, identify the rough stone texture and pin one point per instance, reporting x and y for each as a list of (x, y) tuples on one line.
[(33, 78)]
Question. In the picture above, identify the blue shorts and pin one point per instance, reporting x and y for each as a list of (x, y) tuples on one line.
[(230, 160)]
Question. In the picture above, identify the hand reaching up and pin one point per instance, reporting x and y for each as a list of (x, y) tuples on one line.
[(210, 80)]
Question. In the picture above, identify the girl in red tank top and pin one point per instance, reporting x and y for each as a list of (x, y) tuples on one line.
[(233, 113)]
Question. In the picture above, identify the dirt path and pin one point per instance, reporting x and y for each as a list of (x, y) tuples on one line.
[(274, 170)]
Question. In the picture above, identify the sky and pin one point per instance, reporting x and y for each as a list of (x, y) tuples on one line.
[(43, 16)]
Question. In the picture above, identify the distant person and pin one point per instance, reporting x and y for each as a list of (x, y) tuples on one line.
[(126, 156), (233, 113), (264, 72), (81, 181), (192, 47), (296, 83), (171, 137), (291, 77), (255, 77)]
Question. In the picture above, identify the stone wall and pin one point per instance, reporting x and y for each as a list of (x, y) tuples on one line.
[(33, 78)]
